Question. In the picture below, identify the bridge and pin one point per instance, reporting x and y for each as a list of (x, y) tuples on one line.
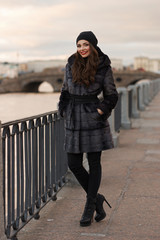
[(125, 78), (30, 82)]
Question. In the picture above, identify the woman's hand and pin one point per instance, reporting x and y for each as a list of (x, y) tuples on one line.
[(100, 111)]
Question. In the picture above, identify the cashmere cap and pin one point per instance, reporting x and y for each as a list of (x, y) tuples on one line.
[(89, 36)]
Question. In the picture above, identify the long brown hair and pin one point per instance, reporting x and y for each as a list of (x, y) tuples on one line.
[(84, 70)]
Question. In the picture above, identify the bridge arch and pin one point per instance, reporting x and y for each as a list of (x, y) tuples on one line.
[(34, 85), (31, 86), (119, 79), (45, 87)]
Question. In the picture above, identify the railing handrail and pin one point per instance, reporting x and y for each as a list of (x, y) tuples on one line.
[(27, 118)]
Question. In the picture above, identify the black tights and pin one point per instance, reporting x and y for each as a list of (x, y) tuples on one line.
[(89, 181)]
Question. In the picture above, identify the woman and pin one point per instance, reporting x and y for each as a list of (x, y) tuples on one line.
[(88, 74)]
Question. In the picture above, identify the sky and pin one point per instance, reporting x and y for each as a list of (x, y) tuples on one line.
[(47, 29)]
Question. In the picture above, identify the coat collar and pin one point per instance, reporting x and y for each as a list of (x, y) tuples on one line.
[(104, 60)]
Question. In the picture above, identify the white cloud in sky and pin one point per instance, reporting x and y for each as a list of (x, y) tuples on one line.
[(43, 29), (20, 3)]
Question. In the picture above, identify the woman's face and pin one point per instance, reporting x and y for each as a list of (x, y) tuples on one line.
[(83, 48)]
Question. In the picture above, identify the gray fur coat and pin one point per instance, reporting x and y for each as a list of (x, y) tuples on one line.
[(85, 129)]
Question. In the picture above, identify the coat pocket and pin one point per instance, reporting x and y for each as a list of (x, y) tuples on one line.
[(95, 114)]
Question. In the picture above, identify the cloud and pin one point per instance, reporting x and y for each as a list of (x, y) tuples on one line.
[(44, 28), (29, 26), (121, 21), (20, 3)]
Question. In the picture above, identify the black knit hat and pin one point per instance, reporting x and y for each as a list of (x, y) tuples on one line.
[(89, 36)]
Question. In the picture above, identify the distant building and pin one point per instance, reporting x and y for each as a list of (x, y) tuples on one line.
[(147, 64), (117, 64), (39, 66), (8, 70), (129, 67), (154, 65), (13, 70), (23, 67)]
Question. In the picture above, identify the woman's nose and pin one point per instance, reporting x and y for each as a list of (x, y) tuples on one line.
[(82, 48)]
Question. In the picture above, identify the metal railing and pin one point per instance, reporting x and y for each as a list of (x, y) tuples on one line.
[(34, 167)]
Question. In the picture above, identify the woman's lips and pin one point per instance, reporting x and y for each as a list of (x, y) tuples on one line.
[(83, 53)]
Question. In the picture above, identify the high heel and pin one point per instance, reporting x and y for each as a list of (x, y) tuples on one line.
[(100, 213), (87, 216), (107, 202)]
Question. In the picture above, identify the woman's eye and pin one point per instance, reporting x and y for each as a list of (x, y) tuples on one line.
[(84, 45)]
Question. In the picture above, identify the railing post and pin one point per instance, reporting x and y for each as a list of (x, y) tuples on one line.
[(157, 83), (149, 91), (112, 127), (146, 94), (2, 231), (140, 97), (125, 121), (134, 111), (152, 90)]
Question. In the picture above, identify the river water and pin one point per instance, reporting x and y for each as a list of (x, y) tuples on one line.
[(14, 106)]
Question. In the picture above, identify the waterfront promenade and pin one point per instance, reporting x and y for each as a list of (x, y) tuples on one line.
[(130, 182)]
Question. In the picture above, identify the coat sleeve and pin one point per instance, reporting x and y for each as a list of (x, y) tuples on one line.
[(64, 96), (110, 94)]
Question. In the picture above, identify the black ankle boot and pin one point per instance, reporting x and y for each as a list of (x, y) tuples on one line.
[(88, 213), (100, 213)]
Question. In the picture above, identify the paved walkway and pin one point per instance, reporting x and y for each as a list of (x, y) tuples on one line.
[(131, 183)]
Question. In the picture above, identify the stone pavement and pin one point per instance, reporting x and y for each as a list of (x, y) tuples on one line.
[(130, 182)]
